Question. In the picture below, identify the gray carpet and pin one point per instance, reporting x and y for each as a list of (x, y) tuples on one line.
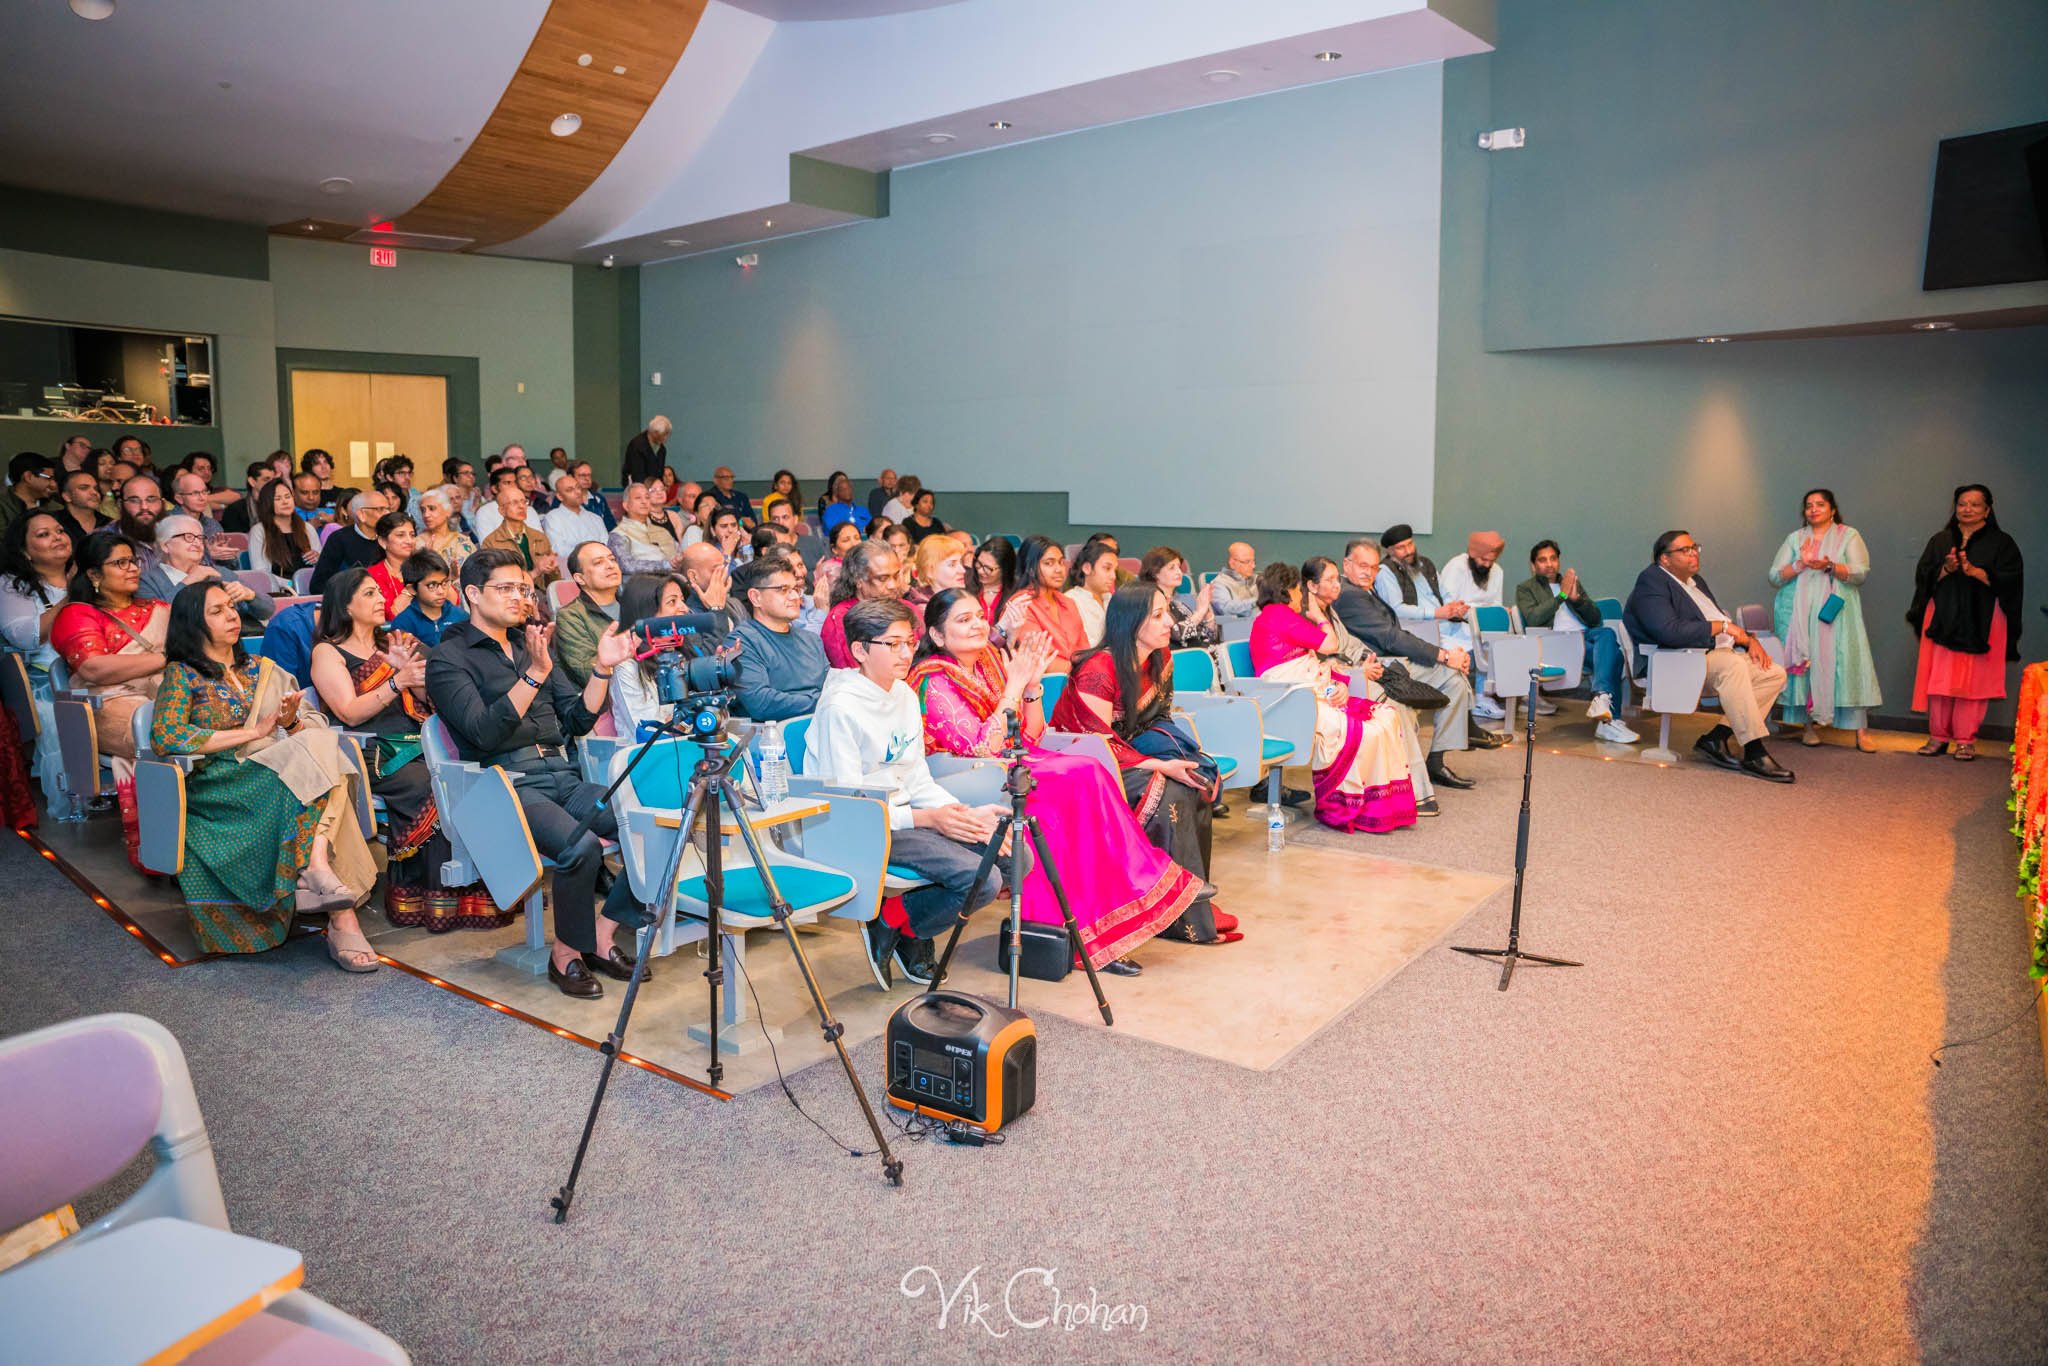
[(1720, 1140)]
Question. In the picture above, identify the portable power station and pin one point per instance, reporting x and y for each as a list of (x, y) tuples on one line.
[(956, 1056)]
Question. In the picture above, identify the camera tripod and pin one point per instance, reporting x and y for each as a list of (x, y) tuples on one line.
[(711, 789), (1514, 953), (1019, 782)]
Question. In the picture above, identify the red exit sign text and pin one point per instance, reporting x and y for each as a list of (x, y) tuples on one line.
[(384, 256)]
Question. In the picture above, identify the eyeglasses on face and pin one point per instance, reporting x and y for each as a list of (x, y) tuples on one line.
[(512, 590), (433, 583), (902, 645), (125, 562), (1684, 550), (777, 588)]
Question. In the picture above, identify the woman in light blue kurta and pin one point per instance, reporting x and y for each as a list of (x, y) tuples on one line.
[(1831, 681)]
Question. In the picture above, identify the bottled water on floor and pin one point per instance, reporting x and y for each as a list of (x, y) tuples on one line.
[(1276, 830)]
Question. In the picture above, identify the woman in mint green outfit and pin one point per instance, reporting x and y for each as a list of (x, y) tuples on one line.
[(1831, 681)]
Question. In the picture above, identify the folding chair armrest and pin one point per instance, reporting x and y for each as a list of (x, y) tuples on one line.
[(974, 781), (1228, 727)]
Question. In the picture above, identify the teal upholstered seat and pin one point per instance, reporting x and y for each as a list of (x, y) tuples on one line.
[(1270, 750), (744, 894)]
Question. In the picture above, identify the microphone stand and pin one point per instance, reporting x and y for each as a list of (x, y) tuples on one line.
[(1513, 953)]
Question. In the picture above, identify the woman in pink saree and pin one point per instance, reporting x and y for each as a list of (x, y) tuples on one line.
[(1121, 889), (1361, 765)]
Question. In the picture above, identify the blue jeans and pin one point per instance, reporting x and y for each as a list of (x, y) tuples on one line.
[(1604, 662)]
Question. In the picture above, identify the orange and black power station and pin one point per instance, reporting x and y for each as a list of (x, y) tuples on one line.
[(956, 1056)]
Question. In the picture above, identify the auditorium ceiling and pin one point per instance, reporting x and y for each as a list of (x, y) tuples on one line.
[(698, 125)]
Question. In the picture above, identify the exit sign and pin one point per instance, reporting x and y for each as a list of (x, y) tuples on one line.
[(384, 256)]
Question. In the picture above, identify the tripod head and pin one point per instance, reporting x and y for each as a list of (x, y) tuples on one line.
[(1019, 782)]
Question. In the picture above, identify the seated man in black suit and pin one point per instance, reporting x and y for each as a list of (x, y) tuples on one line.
[(1445, 668), (1672, 608)]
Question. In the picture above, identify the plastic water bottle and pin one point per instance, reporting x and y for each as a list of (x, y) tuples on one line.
[(1276, 831), (774, 764)]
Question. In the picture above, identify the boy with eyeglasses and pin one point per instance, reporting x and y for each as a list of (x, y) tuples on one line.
[(869, 732), (425, 572), (495, 686)]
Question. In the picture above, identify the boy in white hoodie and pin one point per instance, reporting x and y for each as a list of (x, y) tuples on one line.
[(869, 732)]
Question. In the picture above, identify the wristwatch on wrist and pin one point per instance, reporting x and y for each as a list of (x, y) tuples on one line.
[(533, 683)]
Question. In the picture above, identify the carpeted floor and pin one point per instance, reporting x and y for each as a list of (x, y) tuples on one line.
[(1721, 1140)]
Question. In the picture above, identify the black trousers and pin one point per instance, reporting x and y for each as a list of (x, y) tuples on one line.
[(555, 801)]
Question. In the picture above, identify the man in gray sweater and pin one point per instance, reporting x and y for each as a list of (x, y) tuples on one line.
[(781, 668)]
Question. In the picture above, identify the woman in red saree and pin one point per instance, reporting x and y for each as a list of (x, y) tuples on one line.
[(1360, 761), (1120, 888)]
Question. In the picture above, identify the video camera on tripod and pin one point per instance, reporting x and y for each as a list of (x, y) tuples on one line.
[(691, 670)]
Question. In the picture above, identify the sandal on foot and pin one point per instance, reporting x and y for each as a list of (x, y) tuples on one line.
[(1966, 752), (1933, 748), (350, 942)]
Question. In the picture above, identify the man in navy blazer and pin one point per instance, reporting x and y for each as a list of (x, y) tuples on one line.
[(1672, 608)]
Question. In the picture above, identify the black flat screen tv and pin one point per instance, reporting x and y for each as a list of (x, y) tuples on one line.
[(1990, 219)]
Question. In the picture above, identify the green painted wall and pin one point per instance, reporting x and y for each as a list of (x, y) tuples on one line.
[(515, 318), (607, 364), (60, 225), (1739, 166)]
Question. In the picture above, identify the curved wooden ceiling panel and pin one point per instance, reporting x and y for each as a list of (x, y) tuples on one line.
[(516, 174)]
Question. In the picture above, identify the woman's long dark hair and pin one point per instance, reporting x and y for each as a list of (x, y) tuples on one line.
[(1029, 556), (1311, 570), (292, 533), (831, 483), (91, 556), (1834, 508), (14, 561), (1955, 530), (1006, 573), (334, 625), (796, 490), (1128, 608), (185, 638), (1077, 568), (639, 599), (935, 614)]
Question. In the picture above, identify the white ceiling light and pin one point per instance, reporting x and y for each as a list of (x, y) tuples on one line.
[(1220, 76), (675, 241), (565, 124), (618, 71), (1329, 56), (336, 184), (999, 124), (93, 9), (768, 223), (1708, 341), (938, 139), (584, 60), (1934, 327)]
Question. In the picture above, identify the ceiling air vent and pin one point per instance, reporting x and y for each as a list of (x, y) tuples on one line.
[(415, 241)]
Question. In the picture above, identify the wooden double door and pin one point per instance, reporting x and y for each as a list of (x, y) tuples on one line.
[(361, 418)]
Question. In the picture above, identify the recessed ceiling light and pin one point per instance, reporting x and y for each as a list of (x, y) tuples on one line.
[(1220, 76), (93, 9), (618, 71), (999, 124), (767, 222), (336, 184), (938, 139), (565, 124), (1934, 327), (1705, 341), (309, 227), (584, 60), (1329, 56), (675, 241)]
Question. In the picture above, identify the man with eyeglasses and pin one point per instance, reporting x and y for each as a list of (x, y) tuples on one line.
[(1672, 608), (31, 483), (495, 685), (140, 503), (781, 667), (869, 732), (355, 546)]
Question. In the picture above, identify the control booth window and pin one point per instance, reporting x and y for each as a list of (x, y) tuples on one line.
[(99, 374)]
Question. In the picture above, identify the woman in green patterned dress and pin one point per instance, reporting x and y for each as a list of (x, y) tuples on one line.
[(255, 851), (1831, 681)]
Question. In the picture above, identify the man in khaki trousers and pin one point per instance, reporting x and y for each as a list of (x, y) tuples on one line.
[(1672, 608)]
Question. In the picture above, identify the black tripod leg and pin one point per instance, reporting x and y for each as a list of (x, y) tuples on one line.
[(1052, 875), (988, 863), (714, 897), (566, 1196), (835, 1032)]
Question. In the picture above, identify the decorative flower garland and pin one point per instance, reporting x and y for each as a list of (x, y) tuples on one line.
[(2029, 805)]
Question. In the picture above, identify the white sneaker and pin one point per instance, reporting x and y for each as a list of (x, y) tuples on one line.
[(1486, 710), (1615, 733), (1601, 708)]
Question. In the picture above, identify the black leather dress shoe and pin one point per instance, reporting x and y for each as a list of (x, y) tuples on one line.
[(575, 980), (1716, 752), (1479, 737), (1296, 796), (617, 965), (1124, 967), (1428, 807), (1767, 768), (1440, 774)]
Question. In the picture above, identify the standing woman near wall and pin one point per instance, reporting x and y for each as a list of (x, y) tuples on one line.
[(1819, 573), (1966, 605)]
